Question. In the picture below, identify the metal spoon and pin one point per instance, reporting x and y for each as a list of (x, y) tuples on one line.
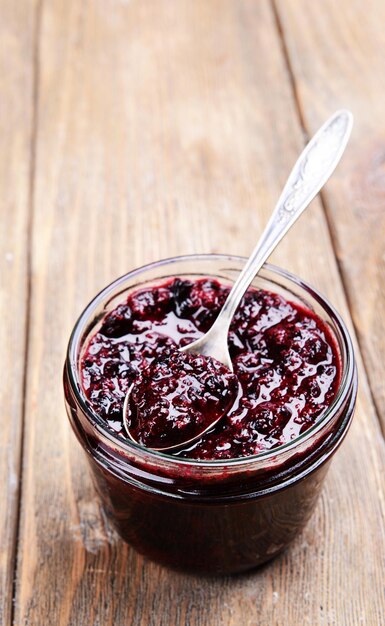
[(311, 171), (313, 168)]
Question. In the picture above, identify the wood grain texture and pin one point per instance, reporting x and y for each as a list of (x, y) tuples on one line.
[(16, 106), (337, 54), (169, 128)]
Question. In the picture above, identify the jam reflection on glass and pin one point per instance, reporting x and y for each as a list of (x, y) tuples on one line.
[(285, 359)]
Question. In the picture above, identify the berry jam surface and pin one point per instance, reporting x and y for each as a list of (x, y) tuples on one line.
[(285, 359), (177, 397)]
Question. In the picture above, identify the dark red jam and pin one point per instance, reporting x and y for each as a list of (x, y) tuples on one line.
[(284, 356), (177, 397)]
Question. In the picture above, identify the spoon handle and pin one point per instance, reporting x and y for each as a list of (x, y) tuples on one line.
[(311, 171)]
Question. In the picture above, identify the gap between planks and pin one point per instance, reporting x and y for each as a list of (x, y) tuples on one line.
[(30, 216), (324, 204)]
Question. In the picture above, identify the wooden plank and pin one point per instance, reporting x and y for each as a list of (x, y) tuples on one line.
[(169, 128), (336, 50), (16, 105)]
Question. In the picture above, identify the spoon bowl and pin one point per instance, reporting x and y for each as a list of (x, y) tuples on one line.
[(176, 398), (173, 448)]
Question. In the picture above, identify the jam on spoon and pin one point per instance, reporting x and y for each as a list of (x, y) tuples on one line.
[(177, 398)]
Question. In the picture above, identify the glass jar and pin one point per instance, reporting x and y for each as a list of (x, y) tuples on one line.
[(220, 516)]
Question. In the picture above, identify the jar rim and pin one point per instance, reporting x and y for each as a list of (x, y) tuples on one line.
[(128, 447)]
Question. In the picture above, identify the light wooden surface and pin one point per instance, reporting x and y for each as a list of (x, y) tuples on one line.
[(134, 130), (16, 122)]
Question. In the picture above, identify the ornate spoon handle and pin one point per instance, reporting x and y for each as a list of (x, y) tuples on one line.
[(310, 173)]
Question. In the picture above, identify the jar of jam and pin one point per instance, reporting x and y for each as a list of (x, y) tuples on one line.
[(211, 509)]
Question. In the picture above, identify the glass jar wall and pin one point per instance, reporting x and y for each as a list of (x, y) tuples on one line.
[(219, 516)]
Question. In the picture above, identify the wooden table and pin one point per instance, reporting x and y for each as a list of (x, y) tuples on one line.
[(134, 130)]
